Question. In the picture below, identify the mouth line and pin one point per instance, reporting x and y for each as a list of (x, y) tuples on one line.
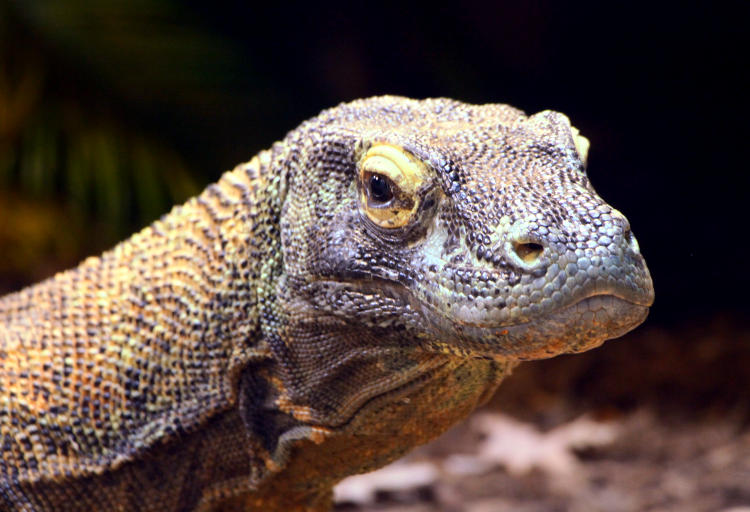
[(395, 288), (555, 312)]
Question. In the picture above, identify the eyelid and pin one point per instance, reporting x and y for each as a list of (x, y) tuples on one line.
[(377, 164), (406, 172)]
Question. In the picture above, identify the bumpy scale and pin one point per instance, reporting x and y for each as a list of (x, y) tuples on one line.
[(322, 309)]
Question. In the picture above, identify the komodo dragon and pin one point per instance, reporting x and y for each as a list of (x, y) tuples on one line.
[(342, 297)]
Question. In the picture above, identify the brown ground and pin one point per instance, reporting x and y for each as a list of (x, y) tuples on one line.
[(657, 421)]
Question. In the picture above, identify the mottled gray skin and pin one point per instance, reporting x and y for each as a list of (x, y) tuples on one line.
[(502, 185), (337, 300)]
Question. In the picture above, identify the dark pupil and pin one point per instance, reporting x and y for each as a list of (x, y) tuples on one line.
[(380, 189)]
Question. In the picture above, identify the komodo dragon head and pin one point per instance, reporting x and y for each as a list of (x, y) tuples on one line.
[(474, 228), (428, 245)]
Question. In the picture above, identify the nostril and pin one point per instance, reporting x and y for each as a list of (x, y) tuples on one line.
[(529, 252)]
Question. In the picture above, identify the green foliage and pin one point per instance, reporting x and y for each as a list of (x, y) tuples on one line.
[(95, 102)]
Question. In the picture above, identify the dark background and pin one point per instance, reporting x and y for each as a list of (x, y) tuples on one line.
[(197, 87), (111, 112)]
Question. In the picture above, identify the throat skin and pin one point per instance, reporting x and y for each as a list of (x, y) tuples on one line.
[(381, 432), (378, 396)]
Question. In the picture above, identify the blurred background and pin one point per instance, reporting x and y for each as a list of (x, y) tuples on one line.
[(111, 112)]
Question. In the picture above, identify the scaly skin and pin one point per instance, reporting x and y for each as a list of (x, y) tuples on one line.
[(341, 298)]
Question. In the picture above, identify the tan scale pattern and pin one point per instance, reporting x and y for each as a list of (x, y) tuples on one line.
[(300, 321)]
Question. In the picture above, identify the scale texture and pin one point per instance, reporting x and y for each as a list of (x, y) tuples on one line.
[(342, 297)]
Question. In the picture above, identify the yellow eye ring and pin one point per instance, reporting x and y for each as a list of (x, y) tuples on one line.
[(389, 180)]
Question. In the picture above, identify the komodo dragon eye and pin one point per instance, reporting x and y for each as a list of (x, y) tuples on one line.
[(389, 181)]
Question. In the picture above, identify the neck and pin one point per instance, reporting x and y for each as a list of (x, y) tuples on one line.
[(148, 339)]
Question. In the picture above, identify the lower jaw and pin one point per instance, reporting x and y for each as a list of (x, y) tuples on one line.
[(575, 328)]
